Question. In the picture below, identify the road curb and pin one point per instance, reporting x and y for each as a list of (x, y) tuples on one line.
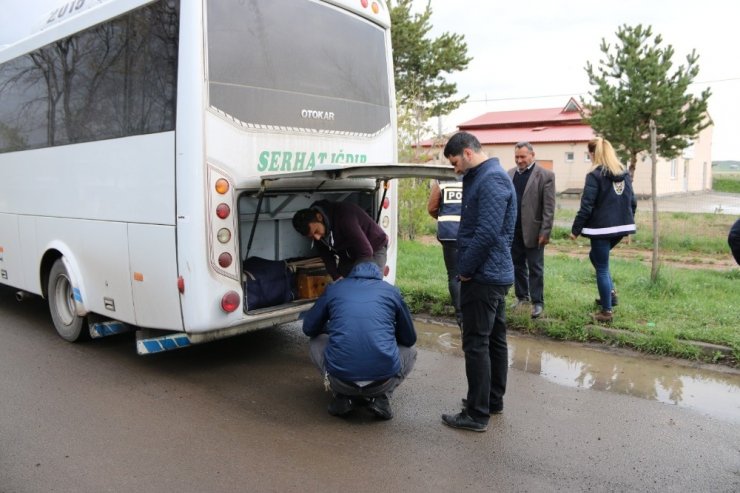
[(707, 349)]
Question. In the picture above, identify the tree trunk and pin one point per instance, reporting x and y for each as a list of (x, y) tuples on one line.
[(633, 166), (654, 180)]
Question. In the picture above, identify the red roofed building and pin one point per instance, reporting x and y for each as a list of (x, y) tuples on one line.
[(559, 138)]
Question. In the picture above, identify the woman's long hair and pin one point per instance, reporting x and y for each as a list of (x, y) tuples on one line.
[(605, 156)]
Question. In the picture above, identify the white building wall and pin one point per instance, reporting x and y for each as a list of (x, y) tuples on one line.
[(572, 174)]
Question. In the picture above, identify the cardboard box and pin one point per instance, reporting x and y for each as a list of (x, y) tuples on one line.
[(311, 282)]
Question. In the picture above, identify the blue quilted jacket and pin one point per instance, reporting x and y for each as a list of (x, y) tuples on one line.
[(487, 225), (366, 319)]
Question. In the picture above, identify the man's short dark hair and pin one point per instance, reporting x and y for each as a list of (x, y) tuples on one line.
[(460, 141), (302, 219)]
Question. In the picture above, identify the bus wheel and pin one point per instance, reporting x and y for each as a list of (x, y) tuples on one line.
[(69, 325)]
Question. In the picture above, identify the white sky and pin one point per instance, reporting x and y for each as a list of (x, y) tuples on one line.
[(528, 49)]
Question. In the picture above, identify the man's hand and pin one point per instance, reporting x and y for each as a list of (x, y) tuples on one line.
[(463, 278), (573, 237), (543, 240)]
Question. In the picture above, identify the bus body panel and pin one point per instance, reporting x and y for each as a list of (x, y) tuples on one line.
[(11, 254), (31, 273), (154, 276), (200, 300), (99, 251), (129, 179)]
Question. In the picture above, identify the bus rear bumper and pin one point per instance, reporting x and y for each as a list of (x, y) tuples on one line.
[(149, 341)]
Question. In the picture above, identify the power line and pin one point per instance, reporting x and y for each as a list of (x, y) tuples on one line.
[(491, 100)]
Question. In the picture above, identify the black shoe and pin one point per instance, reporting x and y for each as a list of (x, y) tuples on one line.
[(463, 421), (340, 406), (615, 300), (381, 407), (494, 410), (537, 310)]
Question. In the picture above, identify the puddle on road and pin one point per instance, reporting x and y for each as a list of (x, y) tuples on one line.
[(712, 393)]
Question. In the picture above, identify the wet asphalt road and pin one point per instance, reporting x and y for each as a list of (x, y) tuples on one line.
[(249, 414)]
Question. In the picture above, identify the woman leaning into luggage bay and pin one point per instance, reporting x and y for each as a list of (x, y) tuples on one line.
[(606, 215)]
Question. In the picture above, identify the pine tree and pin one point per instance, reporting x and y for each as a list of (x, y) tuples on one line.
[(633, 85), (420, 64)]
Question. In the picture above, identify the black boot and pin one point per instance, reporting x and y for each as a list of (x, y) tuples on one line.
[(341, 405), (381, 407)]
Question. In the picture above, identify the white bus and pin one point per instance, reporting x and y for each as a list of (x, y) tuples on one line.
[(148, 147)]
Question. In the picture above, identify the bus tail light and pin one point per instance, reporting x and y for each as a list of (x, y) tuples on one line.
[(181, 284), (223, 250), (223, 235), (224, 260), (386, 271), (230, 301), (222, 186), (223, 210)]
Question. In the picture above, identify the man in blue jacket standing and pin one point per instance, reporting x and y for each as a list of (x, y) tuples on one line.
[(486, 274), (361, 340)]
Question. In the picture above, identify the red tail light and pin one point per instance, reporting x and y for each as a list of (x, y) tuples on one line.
[(230, 301), (386, 270), (223, 211), (224, 260)]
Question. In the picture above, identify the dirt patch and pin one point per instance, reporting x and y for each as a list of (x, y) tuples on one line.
[(687, 261), (625, 251)]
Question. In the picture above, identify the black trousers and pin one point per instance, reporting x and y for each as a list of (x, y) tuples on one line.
[(484, 345), (529, 270)]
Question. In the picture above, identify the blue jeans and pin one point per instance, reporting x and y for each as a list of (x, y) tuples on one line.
[(484, 345), (599, 256)]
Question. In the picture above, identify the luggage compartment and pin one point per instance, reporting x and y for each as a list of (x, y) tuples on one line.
[(272, 237)]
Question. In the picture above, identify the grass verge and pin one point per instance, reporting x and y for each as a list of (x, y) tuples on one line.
[(684, 304)]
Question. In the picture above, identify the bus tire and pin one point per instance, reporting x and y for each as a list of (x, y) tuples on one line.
[(69, 325)]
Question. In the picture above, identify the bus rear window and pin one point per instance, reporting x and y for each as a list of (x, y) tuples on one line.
[(297, 64)]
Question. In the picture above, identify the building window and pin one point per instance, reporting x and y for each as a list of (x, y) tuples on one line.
[(569, 157), (674, 168), (586, 157)]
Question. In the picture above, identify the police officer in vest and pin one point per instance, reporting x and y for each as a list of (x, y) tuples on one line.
[(445, 205)]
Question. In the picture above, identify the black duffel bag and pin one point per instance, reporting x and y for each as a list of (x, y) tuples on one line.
[(269, 283)]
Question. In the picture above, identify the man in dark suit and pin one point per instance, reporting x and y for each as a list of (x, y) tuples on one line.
[(535, 193)]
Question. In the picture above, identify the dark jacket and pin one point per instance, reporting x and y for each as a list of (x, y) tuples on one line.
[(350, 233), (537, 206), (366, 319), (448, 209), (487, 225), (608, 206), (733, 239)]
